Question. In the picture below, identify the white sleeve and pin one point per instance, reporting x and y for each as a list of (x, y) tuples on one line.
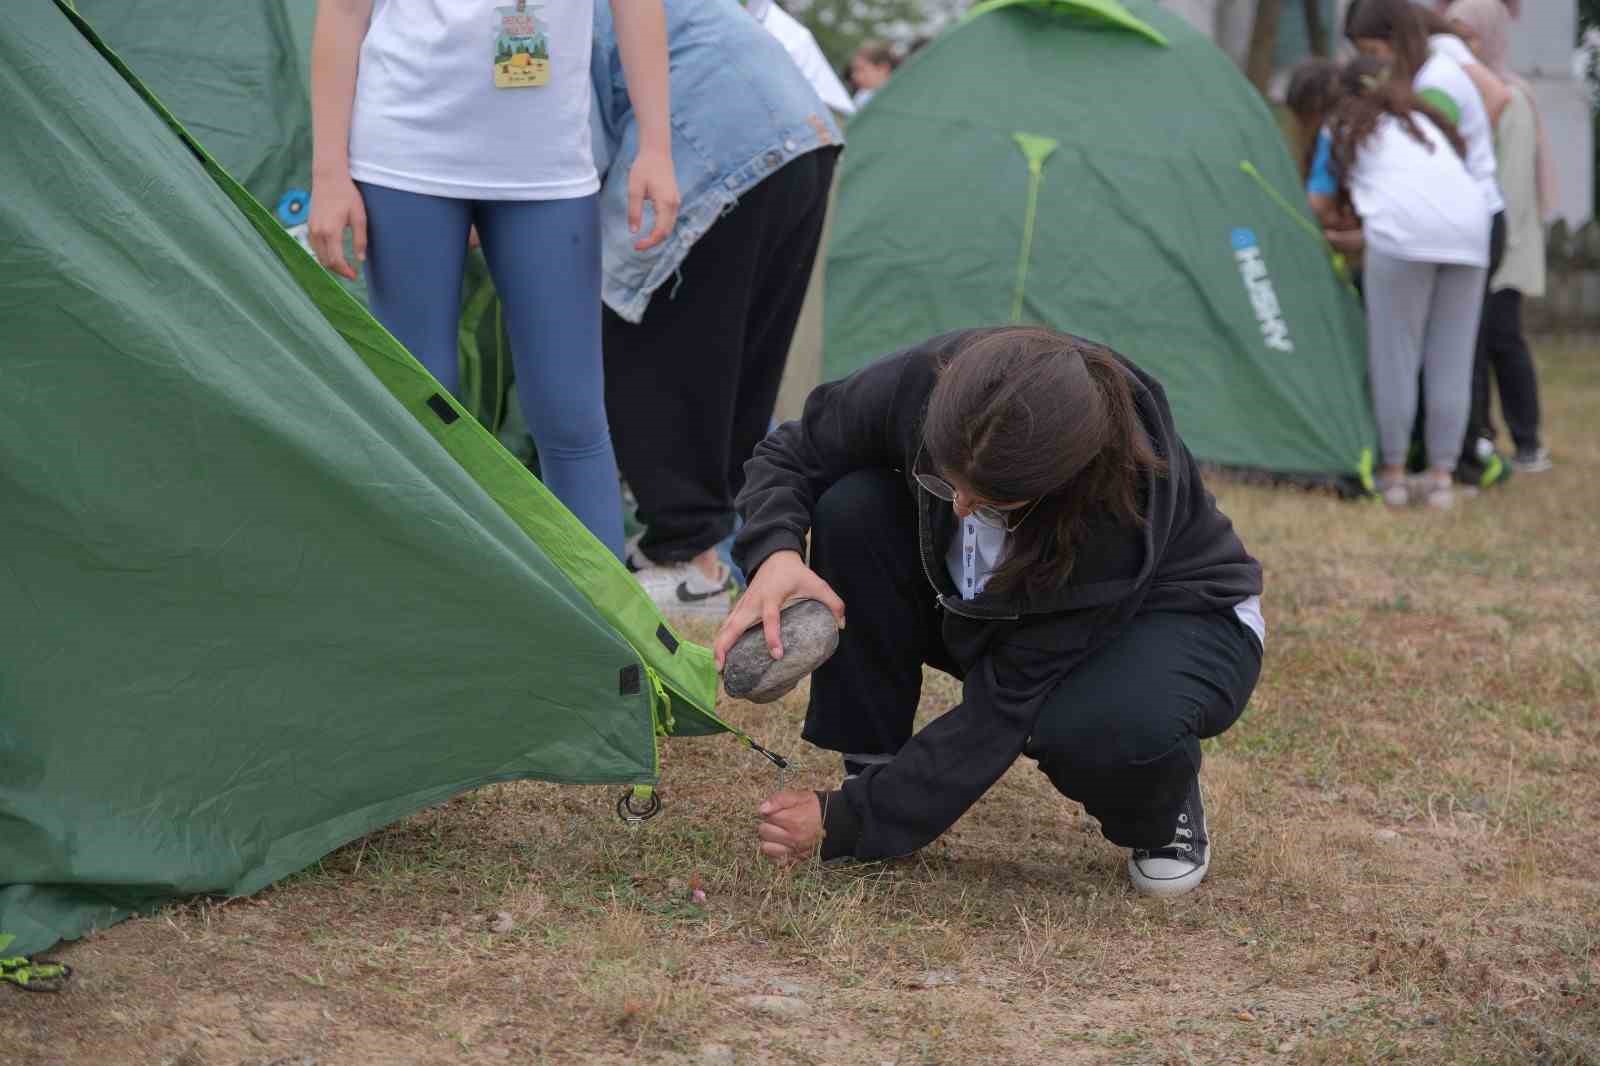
[(803, 49)]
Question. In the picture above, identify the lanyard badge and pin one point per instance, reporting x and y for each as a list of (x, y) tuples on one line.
[(521, 47)]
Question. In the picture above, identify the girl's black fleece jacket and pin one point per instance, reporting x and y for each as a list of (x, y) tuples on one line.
[(1013, 649)]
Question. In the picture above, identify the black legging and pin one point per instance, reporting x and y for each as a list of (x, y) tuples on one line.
[(1478, 424), (1514, 375)]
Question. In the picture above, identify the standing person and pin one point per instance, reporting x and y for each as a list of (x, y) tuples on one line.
[(1012, 506), (1444, 37), (1397, 32), (1427, 241), (1527, 180), (870, 69), (697, 330), (430, 120)]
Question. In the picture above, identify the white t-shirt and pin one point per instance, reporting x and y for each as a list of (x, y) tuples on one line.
[(1443, 71), (1417, 202), (975, 553), (429, 117), (803, 49)]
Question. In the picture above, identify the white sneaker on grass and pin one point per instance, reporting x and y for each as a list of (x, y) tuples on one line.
[(682, 590), (1531, 460), (1181, 865)]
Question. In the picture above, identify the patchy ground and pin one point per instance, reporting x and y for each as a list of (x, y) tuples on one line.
[(1407, 823)]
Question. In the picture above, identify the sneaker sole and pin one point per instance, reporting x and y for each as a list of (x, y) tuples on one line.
[(1171, 886)]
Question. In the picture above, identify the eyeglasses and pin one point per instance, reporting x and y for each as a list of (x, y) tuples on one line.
[(990, 515)]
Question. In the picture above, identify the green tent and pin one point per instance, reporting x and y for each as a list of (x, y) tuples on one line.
[(264, 587), (1107, 171)]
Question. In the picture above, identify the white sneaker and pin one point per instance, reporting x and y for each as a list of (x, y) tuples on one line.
[(1531, 460), (682, 589), (1181, 865)]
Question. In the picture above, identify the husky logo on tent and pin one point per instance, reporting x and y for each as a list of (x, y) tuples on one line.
[(1263, 297)]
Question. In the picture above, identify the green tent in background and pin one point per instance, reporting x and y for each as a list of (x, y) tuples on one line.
[(265, 588), (237, 76), (1106, 171)]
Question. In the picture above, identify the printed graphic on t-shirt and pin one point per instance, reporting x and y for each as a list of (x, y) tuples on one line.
[(521, 48)]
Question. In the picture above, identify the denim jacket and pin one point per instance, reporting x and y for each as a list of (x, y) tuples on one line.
[(741, 109)]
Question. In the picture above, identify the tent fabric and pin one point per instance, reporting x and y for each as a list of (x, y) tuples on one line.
[(264, 588), (236, 75), (1165, 223)]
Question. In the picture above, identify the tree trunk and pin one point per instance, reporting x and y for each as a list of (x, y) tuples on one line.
[(1263, 42), (1316, 32)]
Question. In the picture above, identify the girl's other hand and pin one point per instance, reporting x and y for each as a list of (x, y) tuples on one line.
[(336, 205), (791, 827), (651, 179)]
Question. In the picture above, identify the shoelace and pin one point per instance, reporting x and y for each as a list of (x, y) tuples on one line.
[(1182, 841)]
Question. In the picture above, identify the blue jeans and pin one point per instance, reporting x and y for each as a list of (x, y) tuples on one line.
[(544, 256)]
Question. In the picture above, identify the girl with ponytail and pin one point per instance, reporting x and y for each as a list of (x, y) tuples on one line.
[(1012, 506)]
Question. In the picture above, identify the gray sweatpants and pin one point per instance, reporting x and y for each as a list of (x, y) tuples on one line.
[(1421, 316)]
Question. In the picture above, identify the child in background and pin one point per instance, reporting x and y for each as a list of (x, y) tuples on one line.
[(1527, 180), (870, 68), (1426, 256), (1313, 91)]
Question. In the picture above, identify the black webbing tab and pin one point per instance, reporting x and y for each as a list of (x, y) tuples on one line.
[(668, 641), (442, 408), (630, 680)]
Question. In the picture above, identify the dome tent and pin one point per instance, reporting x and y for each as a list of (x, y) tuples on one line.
[(1105, 170)]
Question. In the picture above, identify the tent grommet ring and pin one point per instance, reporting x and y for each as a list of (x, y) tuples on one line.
[(635, 814)]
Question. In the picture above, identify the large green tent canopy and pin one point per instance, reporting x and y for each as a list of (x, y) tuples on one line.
[(262, 587), (1104, 169)]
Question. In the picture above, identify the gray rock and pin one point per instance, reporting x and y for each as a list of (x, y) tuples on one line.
[(503, 922), (777, 1006), (810, 635), (1386, 836)]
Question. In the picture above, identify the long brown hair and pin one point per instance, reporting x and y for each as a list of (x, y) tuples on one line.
[(1368, 97), (1026, 413), (1399, 22), (1313, 90)]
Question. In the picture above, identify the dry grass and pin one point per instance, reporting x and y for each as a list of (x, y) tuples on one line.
[(1433, 677)]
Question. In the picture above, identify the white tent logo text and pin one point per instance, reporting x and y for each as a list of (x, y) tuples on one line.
[(1263, 298)]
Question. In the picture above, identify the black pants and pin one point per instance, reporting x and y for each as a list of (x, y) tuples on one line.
[(1478, 423), (1120, 734), (1506, 353), (690, 389)]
